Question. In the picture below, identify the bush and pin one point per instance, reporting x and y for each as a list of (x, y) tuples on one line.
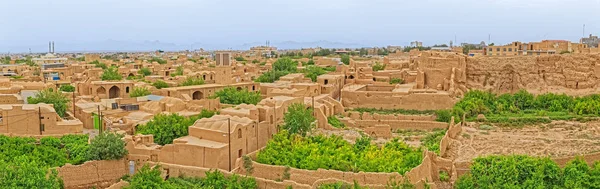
[(341, 185), (285, 64), (335, 122), (111, 74), (270, 76), (313, 72), (333, 152), (239, 58), (432, 140), (160, 84), (139, 91), (145, 72), (298, 119), (166, 128), (518, 171), (345, 59), (443, 116), (378, 66), (192, 81), (394, 111), (151, 178), (26, 163), (158, 60), (107, 146), (396, 81), (55, 98), (234, 96), (67, 88)]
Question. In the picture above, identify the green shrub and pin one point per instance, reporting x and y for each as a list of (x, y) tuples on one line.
[(345, 59), (444, 176), (166, 128), (394, 111), (313, 72), (157, 60), (518, 171), (335, 122), (270, 76), (192, 81), (285, 64), (160, 84), (151, 178), (139, 91), (67, 88), (378, 66), (111, 74), (48, 96), (396, 81), (341, 185), (107, 146), (145, 72), (432, 140), (231, 95), (298, 119), (333, 152)]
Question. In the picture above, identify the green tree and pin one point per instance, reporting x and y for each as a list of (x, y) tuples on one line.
[(239, 58), (166, 128), (270, 76), (139, 91), (25, 173), (145, 72), (285, 64), (231, 95), (192, 81), (107, 146), (378, 66), (111, 74), (345, 59), (147, 178), (313, 72), (396, 81), (157, 60), (67, 88), (298, 119), (160, 84), (50, 96)]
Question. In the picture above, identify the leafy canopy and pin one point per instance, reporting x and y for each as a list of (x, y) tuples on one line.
[(166, 128), (151, 178), (139, 91), (50, 96), (160, 84), (111, 74), (298, 119), (192, 81), (231, 95), (107, 146), (67, 88)]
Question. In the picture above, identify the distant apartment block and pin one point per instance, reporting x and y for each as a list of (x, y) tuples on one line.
[(591, 42), (416, 44), (530, 49)]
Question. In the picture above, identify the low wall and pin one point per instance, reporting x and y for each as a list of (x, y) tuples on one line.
[(93, 173), (402, 124), (375, 116)]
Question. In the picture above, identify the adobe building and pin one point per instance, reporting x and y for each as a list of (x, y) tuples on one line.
[(35, 119), (395, 97), (198, 92), (11, 99), (106, 89)]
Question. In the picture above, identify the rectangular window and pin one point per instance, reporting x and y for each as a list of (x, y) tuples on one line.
[(509, 49), (504, 49), (491, 49), (497, 49)]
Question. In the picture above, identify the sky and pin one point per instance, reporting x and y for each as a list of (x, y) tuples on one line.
[(220, 24)]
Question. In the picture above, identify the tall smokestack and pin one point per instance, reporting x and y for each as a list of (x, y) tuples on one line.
[(52, 46), (49, 47)]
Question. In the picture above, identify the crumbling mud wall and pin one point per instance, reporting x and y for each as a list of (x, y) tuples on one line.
[(573, 74), (99, 174)]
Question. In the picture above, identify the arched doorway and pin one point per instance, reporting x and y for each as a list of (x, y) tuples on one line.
[(197, 95), (100, 91), (114, 92), (204, 77)]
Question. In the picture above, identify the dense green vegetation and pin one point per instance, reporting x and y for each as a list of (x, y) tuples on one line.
[(160, 84), (166, 128), (524, 108), (270, 76), (139, 91), (342, 185), (157, 60), (335, 153), (394, 111), (284, 66), (378, 67), (192, 81), (111, 74), (396, 81), (239, 58), (519, 171), (98, 64), (231, 95), (431, 141), (26, 162), (107, 146), (50, 96), (145, 71), (335, 122), (345, 59), (67, 88), (148, 178), (298, 119), (313, 72)]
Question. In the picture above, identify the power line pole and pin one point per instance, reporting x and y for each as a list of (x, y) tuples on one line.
[(99, 120), (40, 118), (229, 138), (74, 112)]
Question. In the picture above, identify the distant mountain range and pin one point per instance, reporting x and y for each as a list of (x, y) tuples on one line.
[(116, 45)]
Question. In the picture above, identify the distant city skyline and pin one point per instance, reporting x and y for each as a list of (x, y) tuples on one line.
[(141, 25)]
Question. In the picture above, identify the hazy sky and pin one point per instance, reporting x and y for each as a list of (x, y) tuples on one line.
[(233, 22)]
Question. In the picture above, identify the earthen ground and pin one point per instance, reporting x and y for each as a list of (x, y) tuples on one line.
[(556, 139)]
